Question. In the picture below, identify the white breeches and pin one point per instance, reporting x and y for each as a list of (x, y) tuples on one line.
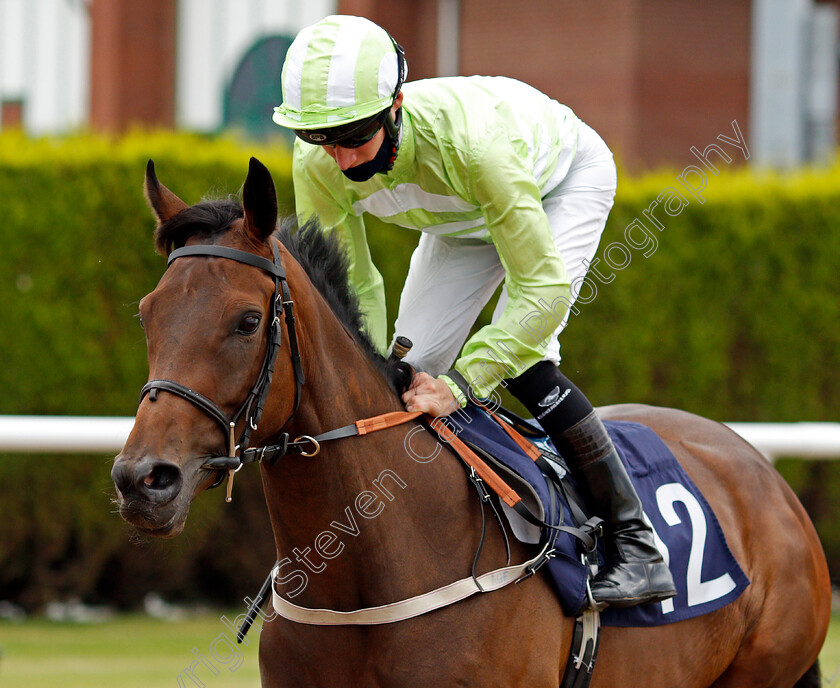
[(450, 280)]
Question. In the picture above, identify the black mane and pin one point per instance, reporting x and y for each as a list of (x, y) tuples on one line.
[(319, 253), (324, 260)]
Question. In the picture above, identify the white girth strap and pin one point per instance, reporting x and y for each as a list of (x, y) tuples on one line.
[(405, 609)]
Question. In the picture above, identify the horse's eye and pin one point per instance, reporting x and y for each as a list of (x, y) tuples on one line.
[(249, 324), (140, 320)]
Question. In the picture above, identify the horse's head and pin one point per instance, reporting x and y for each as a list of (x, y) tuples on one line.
[(212, 329)]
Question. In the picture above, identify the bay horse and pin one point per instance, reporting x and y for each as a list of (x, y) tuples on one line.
[(367, 523)]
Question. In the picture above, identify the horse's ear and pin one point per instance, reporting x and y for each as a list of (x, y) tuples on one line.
[(164, 204), (259, 199)]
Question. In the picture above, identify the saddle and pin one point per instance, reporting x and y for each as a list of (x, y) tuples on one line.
[(688, 534), (549, 510)]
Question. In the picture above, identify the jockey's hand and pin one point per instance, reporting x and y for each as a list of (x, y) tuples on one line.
[(430, 395)]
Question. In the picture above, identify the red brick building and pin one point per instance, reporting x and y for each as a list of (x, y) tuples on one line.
[(654, 77)]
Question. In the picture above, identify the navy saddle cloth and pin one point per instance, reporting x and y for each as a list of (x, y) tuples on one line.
[(687, 532)]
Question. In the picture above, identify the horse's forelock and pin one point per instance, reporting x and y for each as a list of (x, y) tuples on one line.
[(206, 219)]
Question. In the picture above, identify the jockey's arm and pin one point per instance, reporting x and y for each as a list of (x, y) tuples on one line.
[(535, 275), (313, 198)]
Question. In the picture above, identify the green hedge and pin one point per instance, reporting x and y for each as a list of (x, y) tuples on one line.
[(734, 316), (77, 257)]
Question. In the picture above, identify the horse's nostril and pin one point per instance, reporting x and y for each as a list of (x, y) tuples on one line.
[(150, 479), (157, 481), (162, 477)]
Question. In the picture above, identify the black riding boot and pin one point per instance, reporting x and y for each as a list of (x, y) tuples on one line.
[(635, 573)]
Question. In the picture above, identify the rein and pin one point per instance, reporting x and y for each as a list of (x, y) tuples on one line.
[(252, 408)]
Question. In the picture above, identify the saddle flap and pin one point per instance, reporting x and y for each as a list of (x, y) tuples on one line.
[(524, 531)]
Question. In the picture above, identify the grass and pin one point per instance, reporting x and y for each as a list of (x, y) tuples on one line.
[(135, 651), (131, 651), (830, 655)]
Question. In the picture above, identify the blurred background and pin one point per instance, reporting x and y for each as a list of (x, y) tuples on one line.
[(733, 314)]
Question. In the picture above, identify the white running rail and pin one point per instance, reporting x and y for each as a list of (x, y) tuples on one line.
[(63, 434), (796, 440), (92, 435)]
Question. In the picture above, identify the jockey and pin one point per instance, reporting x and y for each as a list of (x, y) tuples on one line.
[(505, 185)]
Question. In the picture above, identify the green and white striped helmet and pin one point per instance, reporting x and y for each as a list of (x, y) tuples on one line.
[(341, 70)]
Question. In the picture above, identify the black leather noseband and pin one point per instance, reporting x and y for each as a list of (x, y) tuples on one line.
[(252, 408)]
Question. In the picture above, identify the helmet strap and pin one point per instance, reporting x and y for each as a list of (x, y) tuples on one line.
[(392, 136)]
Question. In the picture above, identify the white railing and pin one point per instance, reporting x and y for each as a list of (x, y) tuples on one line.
[(63, 434), (90, 435), (798, 440)]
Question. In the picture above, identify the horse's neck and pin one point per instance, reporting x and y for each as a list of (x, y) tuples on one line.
[(375, 493), (342, 383)]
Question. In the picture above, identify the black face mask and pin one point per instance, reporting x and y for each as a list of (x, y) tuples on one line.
[(384, 159)]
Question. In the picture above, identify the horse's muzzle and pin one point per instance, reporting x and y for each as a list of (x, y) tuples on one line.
[(151, 480)]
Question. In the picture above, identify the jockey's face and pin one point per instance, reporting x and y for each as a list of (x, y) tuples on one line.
[(351, 157)]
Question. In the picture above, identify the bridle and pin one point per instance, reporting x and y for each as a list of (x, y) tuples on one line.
[(251, 409), (239, 453)]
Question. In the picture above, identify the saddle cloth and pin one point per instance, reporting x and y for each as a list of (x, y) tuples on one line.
[(706, 575)]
